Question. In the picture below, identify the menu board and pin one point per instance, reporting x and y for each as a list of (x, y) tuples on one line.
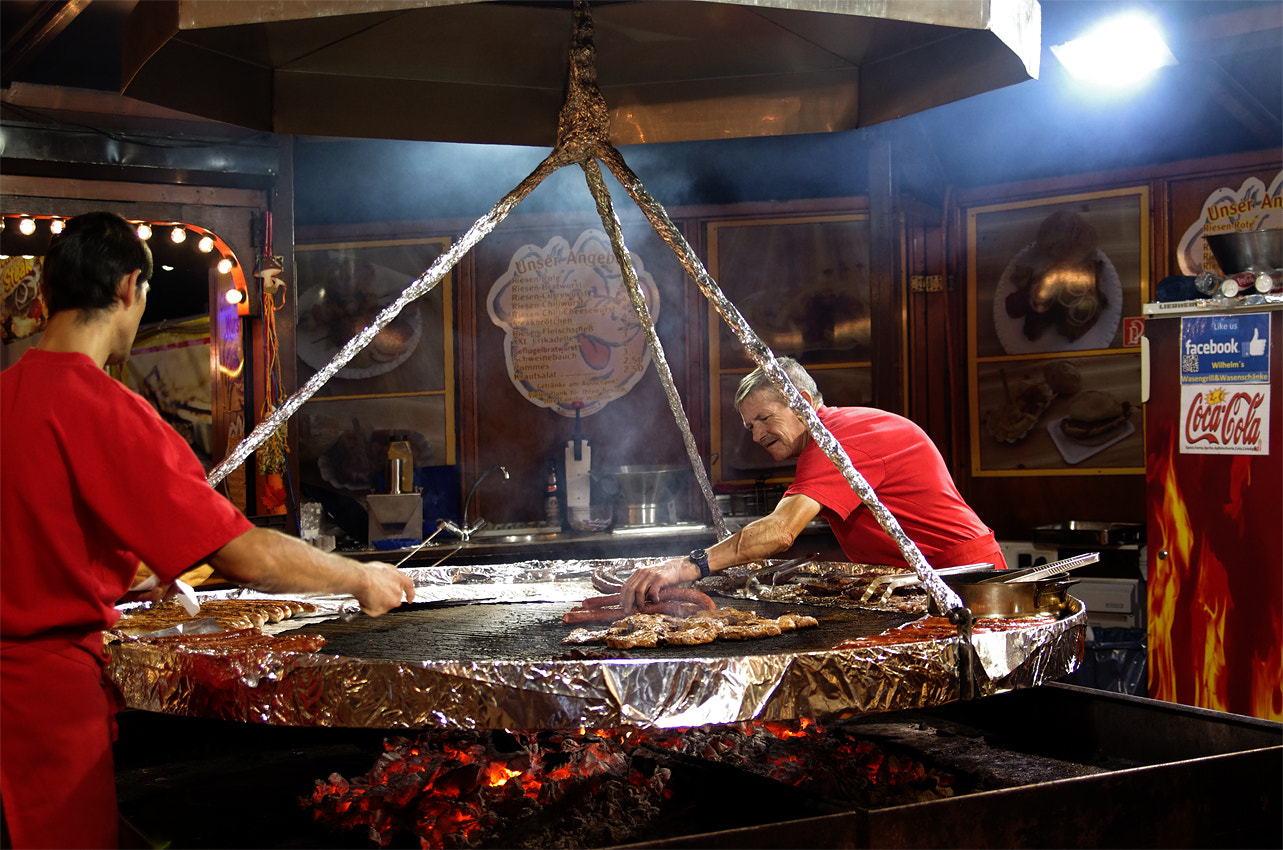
[(572, 339)]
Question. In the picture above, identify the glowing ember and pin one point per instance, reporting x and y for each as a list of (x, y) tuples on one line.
[(544, 789)]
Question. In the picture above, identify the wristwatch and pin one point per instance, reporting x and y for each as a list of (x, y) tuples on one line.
[(700, 559)]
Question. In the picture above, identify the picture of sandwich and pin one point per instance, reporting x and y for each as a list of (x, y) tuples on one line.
[(1095, 417)]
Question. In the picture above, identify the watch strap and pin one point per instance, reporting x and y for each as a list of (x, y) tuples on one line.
[(700, 559)]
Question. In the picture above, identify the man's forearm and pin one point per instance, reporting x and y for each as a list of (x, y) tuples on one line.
[(760, 539), (277, 563)]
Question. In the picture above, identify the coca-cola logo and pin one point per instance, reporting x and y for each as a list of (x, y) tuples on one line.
[(1224, 419)]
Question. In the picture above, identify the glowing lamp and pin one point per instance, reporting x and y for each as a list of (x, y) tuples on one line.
[(1121, 51)]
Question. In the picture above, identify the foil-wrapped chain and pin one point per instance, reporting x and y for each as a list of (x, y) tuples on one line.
[(944, 596), (606, 210), (416, 289), (581, 135)]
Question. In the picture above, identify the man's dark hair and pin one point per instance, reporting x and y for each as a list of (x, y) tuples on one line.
[(87, 260)]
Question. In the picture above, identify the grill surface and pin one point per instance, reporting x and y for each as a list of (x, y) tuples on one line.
[(532, 631)]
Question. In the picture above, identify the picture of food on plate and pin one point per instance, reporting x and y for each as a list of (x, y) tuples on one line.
[(1095, 416), (1059, 413), (1060, 292), (347, 303)]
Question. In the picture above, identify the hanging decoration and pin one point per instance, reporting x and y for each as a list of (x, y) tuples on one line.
[(272, 453)]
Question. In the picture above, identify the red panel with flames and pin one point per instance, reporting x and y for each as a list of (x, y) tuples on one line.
[(1215, 538)]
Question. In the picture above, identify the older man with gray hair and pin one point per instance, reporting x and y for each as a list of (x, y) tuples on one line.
[(896, 458)]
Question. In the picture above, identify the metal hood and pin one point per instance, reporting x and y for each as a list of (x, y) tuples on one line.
[(495, 72)]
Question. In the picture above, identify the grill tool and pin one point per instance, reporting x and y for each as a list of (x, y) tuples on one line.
[(1055, 568), (883, 586)]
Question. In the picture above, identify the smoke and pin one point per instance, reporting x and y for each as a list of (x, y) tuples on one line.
[(351, 181)]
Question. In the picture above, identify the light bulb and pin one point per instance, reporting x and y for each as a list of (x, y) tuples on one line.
[(224, 265), (234, 296), (144, 231), (1117, 53), (56, 225), (178, 235), (206, 244), (27, 226)]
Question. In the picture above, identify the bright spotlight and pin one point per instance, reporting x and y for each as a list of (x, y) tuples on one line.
[(1118, 52)]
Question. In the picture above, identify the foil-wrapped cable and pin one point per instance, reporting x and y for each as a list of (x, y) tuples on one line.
[(610, 221), (944, 596), (416, 289)]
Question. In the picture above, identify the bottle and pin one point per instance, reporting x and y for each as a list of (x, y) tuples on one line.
[(1207, 283), (552, 500), (400, 470)]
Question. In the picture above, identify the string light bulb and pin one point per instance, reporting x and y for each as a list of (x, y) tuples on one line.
[(56, 226), (178, 235), (27, 226), (144, 231)]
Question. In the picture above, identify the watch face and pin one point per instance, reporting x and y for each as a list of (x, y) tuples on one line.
[(698, 555)]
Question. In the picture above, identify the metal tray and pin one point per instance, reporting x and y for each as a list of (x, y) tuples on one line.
[(1090, 533)]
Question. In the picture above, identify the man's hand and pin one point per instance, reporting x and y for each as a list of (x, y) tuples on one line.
[(644, 584), (385, 588)]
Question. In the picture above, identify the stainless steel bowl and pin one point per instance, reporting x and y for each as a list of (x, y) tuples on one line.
[(1247, 250)]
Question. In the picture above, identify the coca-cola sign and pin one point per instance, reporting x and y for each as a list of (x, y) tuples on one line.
[(1225, 384), (1230, 419)]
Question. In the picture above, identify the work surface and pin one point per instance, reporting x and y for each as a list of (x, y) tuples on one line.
[(533, 631)]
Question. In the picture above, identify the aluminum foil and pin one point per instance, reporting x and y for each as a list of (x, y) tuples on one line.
[(606, 209), (582, 137), (316, 689)]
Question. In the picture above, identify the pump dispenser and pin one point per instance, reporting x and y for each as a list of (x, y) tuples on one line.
[(578, 492)]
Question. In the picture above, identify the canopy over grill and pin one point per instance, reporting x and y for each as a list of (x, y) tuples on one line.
[(495, 72)]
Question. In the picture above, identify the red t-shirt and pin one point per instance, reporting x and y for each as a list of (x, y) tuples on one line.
[(910, 478), (92, 480)]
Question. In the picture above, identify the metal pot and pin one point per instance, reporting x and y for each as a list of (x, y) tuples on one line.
[(1008, 599), (1247, 250), (644, 493)]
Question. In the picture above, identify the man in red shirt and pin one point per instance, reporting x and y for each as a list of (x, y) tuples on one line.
[(896, 458), (95, 482)]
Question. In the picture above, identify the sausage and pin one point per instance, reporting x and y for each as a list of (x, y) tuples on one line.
[(600, 601), (607, 580), (672, 608), (203, 638), (687, 594), (602, 614)]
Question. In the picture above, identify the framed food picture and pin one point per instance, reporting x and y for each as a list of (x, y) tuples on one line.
[(401, 383), (1054, 384)]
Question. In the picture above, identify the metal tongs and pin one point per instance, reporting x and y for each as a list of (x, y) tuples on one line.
[(779, 572), (883, 586), (1052, 570)]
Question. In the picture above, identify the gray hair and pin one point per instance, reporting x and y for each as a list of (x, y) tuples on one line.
[(759, 380)]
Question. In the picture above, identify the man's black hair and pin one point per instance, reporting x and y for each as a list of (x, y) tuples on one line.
[(87, 260)]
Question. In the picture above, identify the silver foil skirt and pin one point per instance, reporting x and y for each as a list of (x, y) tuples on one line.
[(320, 689)]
